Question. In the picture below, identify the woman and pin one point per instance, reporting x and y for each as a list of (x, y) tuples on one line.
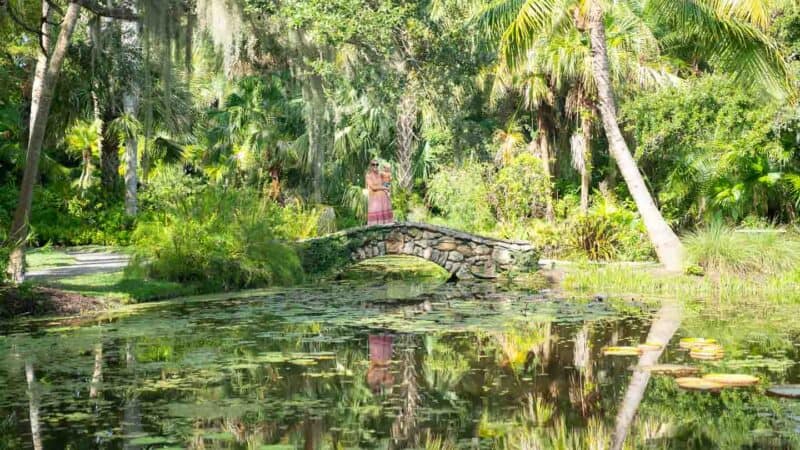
[(379, 207)]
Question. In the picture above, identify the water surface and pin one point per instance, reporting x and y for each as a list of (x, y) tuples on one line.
[(393, 365)]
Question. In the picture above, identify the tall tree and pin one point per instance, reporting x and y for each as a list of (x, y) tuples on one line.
[(48, 67), (731, 38), (666, 243)]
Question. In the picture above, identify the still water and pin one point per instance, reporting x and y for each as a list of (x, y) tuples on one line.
[(394, 365)]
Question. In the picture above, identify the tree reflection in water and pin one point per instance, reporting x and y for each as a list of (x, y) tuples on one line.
[(33, 405), (664, 326)]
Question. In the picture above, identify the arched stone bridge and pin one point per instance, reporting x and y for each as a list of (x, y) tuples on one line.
[(464, 255)]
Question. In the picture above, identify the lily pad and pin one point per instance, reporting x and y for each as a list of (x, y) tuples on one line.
[(650, 346), (707, 352), (731, 379), (690, 343), (675, 370), (698, 384), (621, 351), (785, 390)]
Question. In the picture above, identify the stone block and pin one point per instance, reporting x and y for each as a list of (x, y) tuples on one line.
[(501, 256), (394, 247), (446, 245), (427, 253), (455, 256), (465, 250), (482, 250)]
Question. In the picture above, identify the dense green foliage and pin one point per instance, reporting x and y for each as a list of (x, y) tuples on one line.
[(221, 239), (277, 107), (714, 150)]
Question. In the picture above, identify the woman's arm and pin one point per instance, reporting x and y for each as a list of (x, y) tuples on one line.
[(373, 184)]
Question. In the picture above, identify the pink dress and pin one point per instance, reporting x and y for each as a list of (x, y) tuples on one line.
[(379, 206)]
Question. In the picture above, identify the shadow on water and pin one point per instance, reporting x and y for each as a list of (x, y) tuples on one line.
[(387, 365)]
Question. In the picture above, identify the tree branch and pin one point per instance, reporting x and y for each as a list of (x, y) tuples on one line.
[(120, 13)]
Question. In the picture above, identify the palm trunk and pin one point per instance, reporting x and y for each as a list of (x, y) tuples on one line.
[(42, 98), (586, 170), (543, 139), (406, 140), (667, 245), (86, 173)]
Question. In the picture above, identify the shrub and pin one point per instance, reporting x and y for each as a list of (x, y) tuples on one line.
[(519, 190), (220, 239), (461, 194), (719, 249), (609, 231), (67, 218)]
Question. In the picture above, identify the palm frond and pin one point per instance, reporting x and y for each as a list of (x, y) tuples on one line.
[(729, 34)]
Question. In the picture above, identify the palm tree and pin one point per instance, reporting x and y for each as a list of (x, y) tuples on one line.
[(83, 139), (732, 37)]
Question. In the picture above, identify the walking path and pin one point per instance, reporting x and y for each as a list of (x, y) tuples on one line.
[(85, 262)]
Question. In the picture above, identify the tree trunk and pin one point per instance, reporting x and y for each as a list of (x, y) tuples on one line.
[(189, 47), (406, 140), (543, 140), (41, 65), (586, 170), (109, 161), (86, 173), (42, 98), (130, 104), (668, 246), (314, 96)]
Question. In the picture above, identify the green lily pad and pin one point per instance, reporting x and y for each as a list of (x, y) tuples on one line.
[(621, 351), (785, 390)]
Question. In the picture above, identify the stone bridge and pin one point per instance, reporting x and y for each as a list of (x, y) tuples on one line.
[(464, 255)]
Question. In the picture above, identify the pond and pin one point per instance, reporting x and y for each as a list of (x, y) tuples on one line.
[(391, 365)]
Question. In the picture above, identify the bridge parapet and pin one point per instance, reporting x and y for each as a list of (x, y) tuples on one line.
[(463, 255)]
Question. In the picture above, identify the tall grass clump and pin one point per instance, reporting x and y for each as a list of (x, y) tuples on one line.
[(221, 240), (722, 250)]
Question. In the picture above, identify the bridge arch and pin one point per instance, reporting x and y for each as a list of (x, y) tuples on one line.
[(463, 255)]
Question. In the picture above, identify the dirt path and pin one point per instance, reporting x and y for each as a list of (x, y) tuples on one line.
[(81, 262)]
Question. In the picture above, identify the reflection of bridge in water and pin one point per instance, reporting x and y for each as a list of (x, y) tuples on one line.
[(463, 255)]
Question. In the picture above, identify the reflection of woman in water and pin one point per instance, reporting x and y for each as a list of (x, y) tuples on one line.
[(379, 206), (379, 375)]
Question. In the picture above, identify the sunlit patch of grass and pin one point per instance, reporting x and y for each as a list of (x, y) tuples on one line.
[(121, 287)]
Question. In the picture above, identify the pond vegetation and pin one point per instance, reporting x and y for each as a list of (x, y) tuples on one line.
[(649, 150), (346, 365)]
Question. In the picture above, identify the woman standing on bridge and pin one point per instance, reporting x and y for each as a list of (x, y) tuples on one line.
[(379, 206)]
